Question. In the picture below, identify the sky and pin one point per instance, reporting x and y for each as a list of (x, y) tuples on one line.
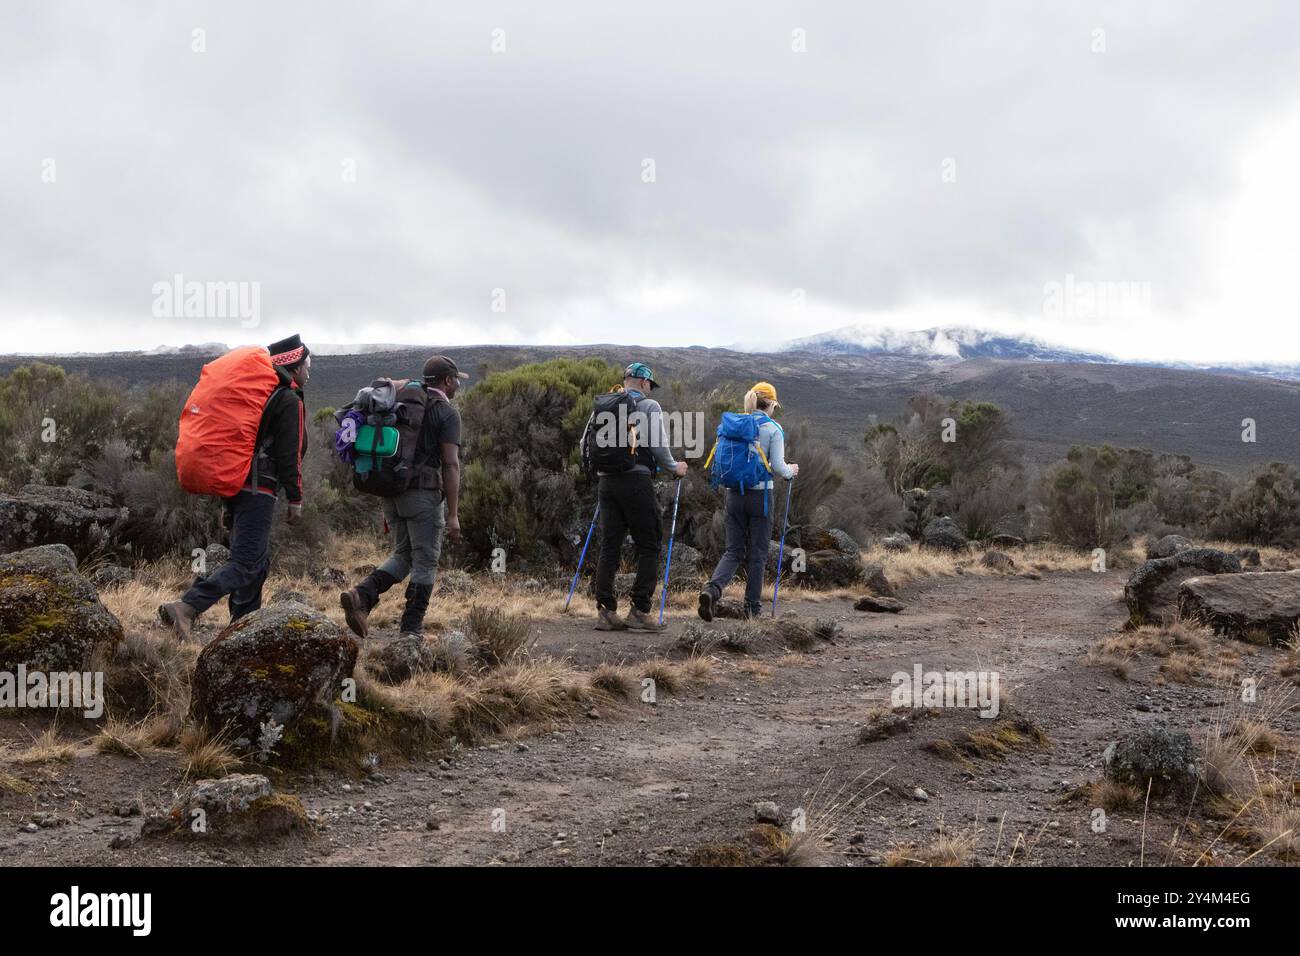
[(1115, 177)]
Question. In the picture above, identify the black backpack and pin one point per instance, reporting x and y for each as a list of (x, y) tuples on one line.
[(609, 442), (388, 457)]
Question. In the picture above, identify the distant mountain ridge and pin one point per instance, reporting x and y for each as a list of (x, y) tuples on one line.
[(965, 342)]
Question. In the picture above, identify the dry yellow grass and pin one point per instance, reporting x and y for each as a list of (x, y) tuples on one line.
[(205, 756), (11, 784), (1268, 556), (47, 747), (795, 659), (759, 670), (1182, 645), (697, 670), (125, 739), (664, 673), (1114, 796), (948, 849), (1275, 827), (617, 680)]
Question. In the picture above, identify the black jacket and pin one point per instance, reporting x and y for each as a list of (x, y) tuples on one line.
[(281, 442)]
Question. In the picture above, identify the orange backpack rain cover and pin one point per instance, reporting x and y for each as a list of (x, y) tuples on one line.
[(219, 422)]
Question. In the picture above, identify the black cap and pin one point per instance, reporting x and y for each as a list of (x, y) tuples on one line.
[(288, 352), (439, 366)]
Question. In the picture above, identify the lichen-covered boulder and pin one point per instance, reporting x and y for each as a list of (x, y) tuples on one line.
[(1249, 556), (1152, 590), (831, 558), (997, 561), (270, 668), (1244, 605), (409, 654), (214, 556), (111, 576), (287, 596), (239, 807), (1168, 546), (51, 618), (1166, 759), (878, 605), (686, 560), (873, 576), (896, 542), (41, 514), (942, 534)]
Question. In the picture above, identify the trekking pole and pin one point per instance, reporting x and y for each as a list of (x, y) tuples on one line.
[(780, 554), (663, 594), (582, 557)]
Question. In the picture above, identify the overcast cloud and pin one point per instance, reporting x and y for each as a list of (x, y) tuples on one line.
[(1168, 158)]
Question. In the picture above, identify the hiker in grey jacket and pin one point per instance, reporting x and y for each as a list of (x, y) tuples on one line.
[(628, 504), (749, 512)]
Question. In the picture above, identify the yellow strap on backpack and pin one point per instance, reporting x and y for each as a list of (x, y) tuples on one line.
[(757, 447)]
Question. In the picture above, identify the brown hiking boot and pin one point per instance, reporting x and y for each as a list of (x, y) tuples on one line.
[(355, 612), (607, 620), (180, 617), (642, 621)]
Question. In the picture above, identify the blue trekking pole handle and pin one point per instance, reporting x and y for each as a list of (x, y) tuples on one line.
[(583, 556), (663, 592), (780, 554)]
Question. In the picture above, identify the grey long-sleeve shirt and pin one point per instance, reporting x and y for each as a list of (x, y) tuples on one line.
[(651, 433), (654, 435), (772, 440)]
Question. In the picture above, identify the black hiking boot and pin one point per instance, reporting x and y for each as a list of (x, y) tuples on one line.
[(707, 601), (417, 602)]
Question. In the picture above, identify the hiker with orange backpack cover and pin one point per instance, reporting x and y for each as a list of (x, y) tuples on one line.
[(227, 449)]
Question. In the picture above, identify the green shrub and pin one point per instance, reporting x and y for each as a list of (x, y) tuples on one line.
[(521, 489)]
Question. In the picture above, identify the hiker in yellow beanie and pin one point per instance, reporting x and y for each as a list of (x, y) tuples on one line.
[(748, 479)]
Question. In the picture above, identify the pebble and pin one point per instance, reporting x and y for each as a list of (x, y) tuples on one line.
[(921, 795)]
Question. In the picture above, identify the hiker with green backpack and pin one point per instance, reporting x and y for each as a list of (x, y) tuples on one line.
[(405, 448), (750, 449)]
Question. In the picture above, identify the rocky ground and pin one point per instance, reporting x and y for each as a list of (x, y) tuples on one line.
[(677, 781)]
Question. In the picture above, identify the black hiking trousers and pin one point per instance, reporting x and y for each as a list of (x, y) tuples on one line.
[(628, 504)]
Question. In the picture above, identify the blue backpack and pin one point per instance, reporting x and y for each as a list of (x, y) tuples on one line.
[(737, 458)]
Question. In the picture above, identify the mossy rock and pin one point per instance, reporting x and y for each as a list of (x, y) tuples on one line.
[(51, 618), (344, 736), (238, 808), (42, 515), (271, 666)]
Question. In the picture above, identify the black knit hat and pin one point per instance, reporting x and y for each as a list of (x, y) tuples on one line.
[(288, 352)]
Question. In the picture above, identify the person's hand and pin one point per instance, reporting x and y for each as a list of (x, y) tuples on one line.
[(295, 513), (680, 469), (453, 529), (794, 468)]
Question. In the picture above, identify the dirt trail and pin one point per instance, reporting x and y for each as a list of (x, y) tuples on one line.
[(645, 783)]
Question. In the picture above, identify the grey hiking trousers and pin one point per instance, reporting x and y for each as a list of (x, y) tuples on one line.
[(417, 519)]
